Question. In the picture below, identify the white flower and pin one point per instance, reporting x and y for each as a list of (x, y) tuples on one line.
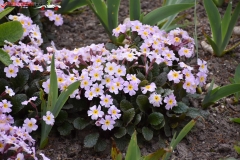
[(30, 124), (49, 118), (9, 91)]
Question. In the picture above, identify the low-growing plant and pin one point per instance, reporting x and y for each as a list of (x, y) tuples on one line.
[(221, 28), (218, 93), (133, 151)]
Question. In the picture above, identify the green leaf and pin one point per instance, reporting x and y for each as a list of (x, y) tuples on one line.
[(5, 58), (147, 133), (11, 31), (140, 76), (219, 93), (68, 6), (65, 128), (143, 83), (130, 129), (125, 105), (237, 74), (138, 118), (16, 102), (231, 25), (156, 155), (161, 79), (237, 149), (236, 120), (110, 46), (91, 140), (21, 79), (142, 102), (101, 145), (133, 151), (128, 116), (112, 8), (120, 132), (134, 9), (195, 112), (167, 92), (6, 11), (3, 84), (155, 118), (226, 19), (80, 123), (122, 142), (180, 108), (215, 21), (62, 116), (155, 70), (159, 14), (67, 106), (101, 9), (216, 48)]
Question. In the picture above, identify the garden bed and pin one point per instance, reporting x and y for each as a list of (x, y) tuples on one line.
[(212, 138)]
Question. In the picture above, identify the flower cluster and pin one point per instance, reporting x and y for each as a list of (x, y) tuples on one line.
[(57, 18)]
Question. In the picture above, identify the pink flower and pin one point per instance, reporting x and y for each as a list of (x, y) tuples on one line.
[(151, 87), (6, 106), (155, 99), (11, 71), (49, 118), (58, 20), (30, 125), (95, 112), (130, 88), (202, 65), (170, 101), (114, 112), (174, 76), (107, 123)]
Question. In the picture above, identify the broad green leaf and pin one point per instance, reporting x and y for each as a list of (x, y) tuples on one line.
[(112, 8), (122, 142), (138, 118), (16, 101), (226, 19), (216, 48), (125, 105), (180, 108), (142, 102), (120, 132), (155, 118), (231, 25), (130, 129), (196, 112), (159, 14), (147, 133), (133, 151), (101, 145), (128, 116), (80, 123), (91, 140), (101, 8), (21, 79), (53, 88), (219, 93), (156, 155), (140, 76), (215, 20), (5, 58), (68, 6), (6, 11), (236, 120), (161, 79), (65, 128), (110, 46), (218, 3), (62, 116), (11, 31), (134, 9), (115, 152), (143, 83)]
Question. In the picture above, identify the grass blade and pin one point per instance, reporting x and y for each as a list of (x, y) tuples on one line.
[(215, 21), (6, 11), (236, 120), (134, 9), (159, 14), (232, 23)]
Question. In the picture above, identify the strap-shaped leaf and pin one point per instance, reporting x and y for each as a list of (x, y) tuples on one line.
[(53, 89), (159, 14), (215, 21), (112, 7), (6, 11), (216, 48), (134, 9), (226, 19), (101, 8), (231, 25), (219, 93), (237, 74), (133, 151), (68, 6)]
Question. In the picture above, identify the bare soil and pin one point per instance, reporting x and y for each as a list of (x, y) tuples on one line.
[(211, 139)]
